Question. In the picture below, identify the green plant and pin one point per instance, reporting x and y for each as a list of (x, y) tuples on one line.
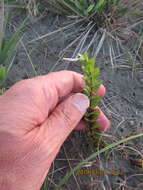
[(92, 83), (2, 74), (7, 46), (91, 77), (17, 4), (82, 7), (33, 7)]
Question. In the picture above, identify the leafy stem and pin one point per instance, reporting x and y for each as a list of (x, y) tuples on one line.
[(92, 82)]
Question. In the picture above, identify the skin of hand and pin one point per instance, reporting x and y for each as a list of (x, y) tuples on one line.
[(36, 116)]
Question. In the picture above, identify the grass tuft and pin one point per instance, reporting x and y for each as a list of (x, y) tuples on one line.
[(82, 7)]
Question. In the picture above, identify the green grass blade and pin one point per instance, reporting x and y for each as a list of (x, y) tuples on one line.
[(10, 45), (29, 59), (71, 6), (13, 40), (100, 5), (9, 1), (1, 24), (2, 74), (94, 155)]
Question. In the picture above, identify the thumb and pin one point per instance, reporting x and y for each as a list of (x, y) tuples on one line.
[(64, 119)]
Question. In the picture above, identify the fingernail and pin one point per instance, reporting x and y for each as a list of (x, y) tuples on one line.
[(80, 101)]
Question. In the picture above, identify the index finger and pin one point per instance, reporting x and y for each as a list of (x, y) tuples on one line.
[(59, 84)]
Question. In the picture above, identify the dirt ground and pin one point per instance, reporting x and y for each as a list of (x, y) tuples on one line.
[(123, 103)]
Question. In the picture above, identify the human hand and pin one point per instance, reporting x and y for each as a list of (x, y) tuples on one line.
[(36, 116)]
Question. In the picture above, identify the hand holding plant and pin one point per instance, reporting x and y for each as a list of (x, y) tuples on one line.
[(36, 117)]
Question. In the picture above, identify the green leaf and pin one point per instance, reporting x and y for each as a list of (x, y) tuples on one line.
[(96, 112), (90, 8), (2, 74), (93, 114), (9, 46), (100, 5), (96, 72), (91, 62), (95, 101), (95, 125)]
